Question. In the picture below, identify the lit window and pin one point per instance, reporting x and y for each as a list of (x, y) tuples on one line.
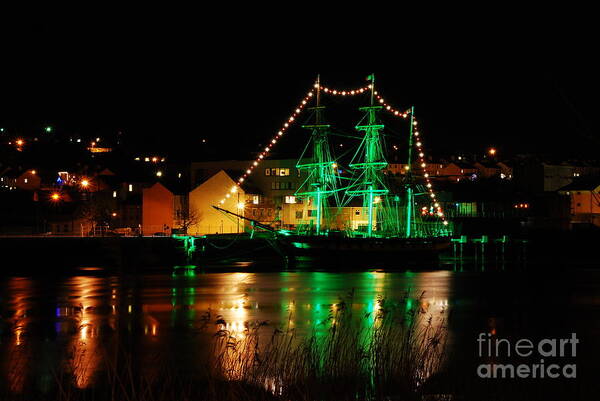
[(267, 171), (25, 180), (130, 187), (255, 199), (114, 194), (290, 199)]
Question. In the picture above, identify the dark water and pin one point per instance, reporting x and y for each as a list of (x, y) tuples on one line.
[(70, 324)]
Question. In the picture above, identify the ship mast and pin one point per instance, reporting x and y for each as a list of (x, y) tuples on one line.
[(370, 184), (409, 178), (321, 179)]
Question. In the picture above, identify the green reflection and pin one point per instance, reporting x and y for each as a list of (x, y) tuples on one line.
[(183, 296)]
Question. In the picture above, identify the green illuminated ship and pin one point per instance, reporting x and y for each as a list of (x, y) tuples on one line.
[(390, 224)]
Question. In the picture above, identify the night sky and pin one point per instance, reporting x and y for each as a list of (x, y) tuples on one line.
[(166, 94)]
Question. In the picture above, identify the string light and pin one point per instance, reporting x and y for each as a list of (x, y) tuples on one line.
[(350, 92), (419, 145), (288, 121)]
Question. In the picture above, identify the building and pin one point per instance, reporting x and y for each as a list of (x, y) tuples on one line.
[(158, 210), (506, 170), (542, 176), (397, 169), (487, 169), (27, 180), (208, 193), (272, 186), (458, 170), (584, 195)]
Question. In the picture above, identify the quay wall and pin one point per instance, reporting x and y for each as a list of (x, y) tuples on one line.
[(52, 254)]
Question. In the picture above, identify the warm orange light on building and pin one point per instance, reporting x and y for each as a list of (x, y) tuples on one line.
[(492, 151), (55, 196)]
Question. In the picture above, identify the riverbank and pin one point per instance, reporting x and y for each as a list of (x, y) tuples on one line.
[(52, 254)]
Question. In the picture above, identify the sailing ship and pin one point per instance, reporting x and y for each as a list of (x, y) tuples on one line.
[(389, 226), (354, 209)]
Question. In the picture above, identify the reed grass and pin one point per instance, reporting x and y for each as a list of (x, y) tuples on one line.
[(390, 352)]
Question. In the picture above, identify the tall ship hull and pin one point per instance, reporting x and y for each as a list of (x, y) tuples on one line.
[(373, 249)]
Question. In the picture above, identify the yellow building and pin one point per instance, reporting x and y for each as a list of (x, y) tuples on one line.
[(303, 215), (585, 200), (209, 193)]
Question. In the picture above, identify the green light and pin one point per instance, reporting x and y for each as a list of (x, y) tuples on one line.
[(48, 129), (189, 245)]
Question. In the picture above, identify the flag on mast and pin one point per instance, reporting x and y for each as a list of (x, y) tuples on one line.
[(370, 77)]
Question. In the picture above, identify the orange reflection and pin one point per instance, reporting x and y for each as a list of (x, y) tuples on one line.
[(19, 351), (83, 296)]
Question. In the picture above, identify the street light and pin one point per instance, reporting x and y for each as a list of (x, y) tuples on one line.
[(48, 128), (55, 196), (240, 207), (492, 151), (85, 183)]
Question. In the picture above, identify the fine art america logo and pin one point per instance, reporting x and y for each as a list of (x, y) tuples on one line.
[(536, 359)]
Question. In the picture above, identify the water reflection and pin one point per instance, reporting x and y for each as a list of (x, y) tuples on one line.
[(78, 312), (18, 350), (80, 321)]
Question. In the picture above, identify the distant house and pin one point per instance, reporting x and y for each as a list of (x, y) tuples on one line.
[(456, 170), (539, 176), (487, 168), (436, 169), (585, 200), (506, 170), (27, 180), (396, 169)]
